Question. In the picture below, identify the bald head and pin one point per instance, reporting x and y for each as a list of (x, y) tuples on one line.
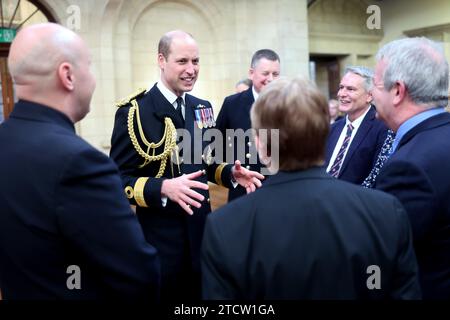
[(37, 51), (49, 65)]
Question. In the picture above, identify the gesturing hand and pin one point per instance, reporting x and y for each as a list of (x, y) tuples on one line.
[(179, 190), (250, 180)]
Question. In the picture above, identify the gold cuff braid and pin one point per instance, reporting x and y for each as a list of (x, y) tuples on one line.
[(218, 174), (139, 192)]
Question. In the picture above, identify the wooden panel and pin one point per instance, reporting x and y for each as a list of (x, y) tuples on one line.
[(218, 195), (7, 88)]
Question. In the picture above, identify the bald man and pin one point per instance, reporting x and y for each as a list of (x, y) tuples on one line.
[(171, 196), (66, 229)]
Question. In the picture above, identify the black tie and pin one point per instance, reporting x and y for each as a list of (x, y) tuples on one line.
[(179, 107)]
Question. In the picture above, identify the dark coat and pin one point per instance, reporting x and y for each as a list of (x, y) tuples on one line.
[(63, 205), (418, 174), (235, 114), (306, 235)]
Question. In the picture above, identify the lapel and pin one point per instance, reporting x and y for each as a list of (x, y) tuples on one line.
[(248, 99), (336, 130), (430, 123), (285, 176), (360, 136), (162, 107)]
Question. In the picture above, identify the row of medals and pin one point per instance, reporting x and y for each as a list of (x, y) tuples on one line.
[(204, 117)]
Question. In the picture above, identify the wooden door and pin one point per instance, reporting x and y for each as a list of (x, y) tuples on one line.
[(6, 88)]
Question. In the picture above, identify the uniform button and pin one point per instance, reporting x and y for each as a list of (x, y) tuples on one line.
[(248, 167), (181, 160), (248, 155), (203, 156), (230, 145), (249, 144), (229, 138), (204, 172), (208, 200)]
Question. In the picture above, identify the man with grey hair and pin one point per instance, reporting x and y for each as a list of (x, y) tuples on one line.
[(355, 141), (235, 113), (410, 91)]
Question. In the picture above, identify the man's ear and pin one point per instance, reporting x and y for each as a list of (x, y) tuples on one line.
[(398, 92), (161, 61), (369, 97), (66, 76), (250, 73)]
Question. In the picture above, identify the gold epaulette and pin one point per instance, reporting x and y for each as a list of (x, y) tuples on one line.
[(128, 99)]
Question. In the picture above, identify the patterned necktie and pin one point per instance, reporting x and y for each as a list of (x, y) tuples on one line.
[(385, 153), (179, 108), (336, 167)]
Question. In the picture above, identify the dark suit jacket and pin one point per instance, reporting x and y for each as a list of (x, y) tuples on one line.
[(418, 174), (63, 205), (175, 234), (235, 114), (363, 151), (305, 235)]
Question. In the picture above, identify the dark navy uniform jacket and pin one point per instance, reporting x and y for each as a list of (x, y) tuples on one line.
[(418, 174), (235, 114), (306, 235), (363, 150), (62, 205), (175, 234)]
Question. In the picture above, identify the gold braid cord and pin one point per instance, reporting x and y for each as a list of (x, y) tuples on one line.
[(169, 139)]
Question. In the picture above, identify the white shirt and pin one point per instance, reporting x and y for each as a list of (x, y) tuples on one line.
[(255, 94), (356, 124), (171, 97)]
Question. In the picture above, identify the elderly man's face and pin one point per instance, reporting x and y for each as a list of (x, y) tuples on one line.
[(352, 95)]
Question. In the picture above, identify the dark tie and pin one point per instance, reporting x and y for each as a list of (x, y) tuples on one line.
[(179, 107), (336, 167)]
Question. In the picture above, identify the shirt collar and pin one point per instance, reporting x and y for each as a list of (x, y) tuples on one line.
[(169, 95), (412, 122), (357, 122), (255, 94)]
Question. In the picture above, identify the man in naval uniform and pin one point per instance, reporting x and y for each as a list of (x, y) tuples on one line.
[(170, 191)]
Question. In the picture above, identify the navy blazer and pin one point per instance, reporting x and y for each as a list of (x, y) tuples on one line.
[(363, 151), (175, 234), (63, 205), (235, 114), (306, 235), (418, 174)]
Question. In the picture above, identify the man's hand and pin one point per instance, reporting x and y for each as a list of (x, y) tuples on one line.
[(179, 190), (250, 180)]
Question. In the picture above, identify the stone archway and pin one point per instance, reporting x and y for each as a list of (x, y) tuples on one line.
[(155, 20)]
